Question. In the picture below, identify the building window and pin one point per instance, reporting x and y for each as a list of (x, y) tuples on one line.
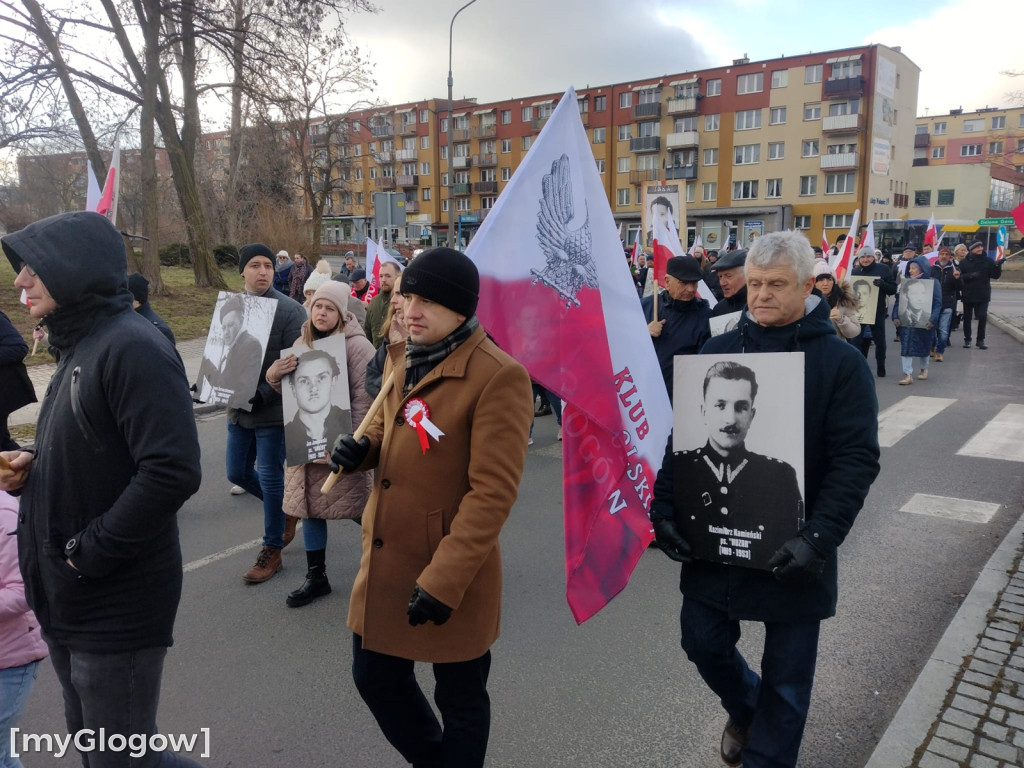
[(920, 129), (840, 183), (373, 171), (600, 164), (424, 115), (809, 148), (683, 124), (358, 174), (841, 149), (747, 119), (842, 70), (776, 150), (583, 104), (622, 164), (801, 222), (527, 114), (426, 193), (444, 179), (622, 197), (945, 197), (625, 132), (777, 116), (714, 87), (649, 96), (939, 129), (527, 142), (486, 203), (444, 206), (462, 204), (711, 156), (838, 220), (773, 188), (424, 169), (424, 142), (600, 135), (744, 190), (506, 146), (709, 191), (999, 123), (690, 188), (973, 126), (639, 196), (812, 74), (750, 83), (970, 150), (1020, 146), (506, 117), (922, 197), (780, 78), (995, 147), (711, 122), (851, 107), (544, 110), (648, 163), (938, 153), (812, 111), (600, 103), (808, 185), (625, 100), (506, 174), (648, 129), (745, 154)]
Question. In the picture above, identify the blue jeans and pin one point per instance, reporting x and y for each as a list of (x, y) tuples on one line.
[(314, 534), (942, 330), (388, 686), (265, 447), (118, 692), (774, 705), (15, 686)]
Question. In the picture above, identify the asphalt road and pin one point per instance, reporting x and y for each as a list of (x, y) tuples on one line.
[(272, 683)]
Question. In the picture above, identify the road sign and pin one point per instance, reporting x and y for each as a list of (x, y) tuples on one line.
[(1006, 221)]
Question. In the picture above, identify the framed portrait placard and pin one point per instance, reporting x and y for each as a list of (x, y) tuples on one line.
[(916, 302), (867, 294), (738, 454), (233, 356), (315, 399)]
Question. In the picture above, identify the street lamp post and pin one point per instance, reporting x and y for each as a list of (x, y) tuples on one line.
[(451, 146)]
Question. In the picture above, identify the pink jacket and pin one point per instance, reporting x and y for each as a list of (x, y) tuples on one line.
[(20, 639)]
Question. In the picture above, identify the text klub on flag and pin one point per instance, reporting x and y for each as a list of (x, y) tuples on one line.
[(557, 295)]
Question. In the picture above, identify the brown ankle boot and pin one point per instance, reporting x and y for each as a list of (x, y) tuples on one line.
[(289, 528), (268, 562)]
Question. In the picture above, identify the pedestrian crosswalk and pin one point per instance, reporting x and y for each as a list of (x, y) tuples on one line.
[(950, 508), (1000, 438), (902, 418)]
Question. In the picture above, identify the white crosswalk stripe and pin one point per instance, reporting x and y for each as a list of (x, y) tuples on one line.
[(950, 508), (1001, 438), (899, 420)]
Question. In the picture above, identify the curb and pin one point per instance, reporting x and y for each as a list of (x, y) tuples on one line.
[(923, 705), (1002, 324)]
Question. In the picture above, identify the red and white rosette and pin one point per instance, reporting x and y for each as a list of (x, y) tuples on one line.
[(417, 415)]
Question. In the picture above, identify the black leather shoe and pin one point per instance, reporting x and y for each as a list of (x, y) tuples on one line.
[(881, 371), (734, 739), (967, 343), (981, 345), (316, 585)]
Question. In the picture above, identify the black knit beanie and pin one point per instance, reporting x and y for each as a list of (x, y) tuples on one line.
[(251, 251), (446, 276), (139, 286)]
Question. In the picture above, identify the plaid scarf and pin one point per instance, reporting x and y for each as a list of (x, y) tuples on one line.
[(420, 360)]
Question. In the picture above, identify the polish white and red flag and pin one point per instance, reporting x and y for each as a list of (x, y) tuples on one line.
[(697, 243), (107, 204), (842, 261), (375, 256), (825, 247), (666, 245), (556, 294), (634, 259), (930, 233)]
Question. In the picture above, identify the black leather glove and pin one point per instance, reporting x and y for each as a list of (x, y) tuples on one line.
[(797, 561), (878, 281), (347, 453), (671, 542), (424, 608)]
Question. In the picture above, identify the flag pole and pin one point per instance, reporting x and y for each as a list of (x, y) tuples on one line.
[(654, 299), (364, 425)]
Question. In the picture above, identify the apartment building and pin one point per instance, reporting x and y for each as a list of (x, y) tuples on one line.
[(968, 165)]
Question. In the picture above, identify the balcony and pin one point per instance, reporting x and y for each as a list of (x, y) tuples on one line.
[(682, 106), (919, 161), (585, 117), (382, 130), (645, 144), (639, 177), (839, 161), (408, 129), (407, 180), (385, 156), (647, 110), (682, 139), (460, 134), (412, 206), (485, 187), (485, 160), (843, 87), (538, 122), (488, 131), (461, 162), (836, 124), (406, 154), (922, 140), (385, 182), (688, 172), (462, 190), (481, 213)]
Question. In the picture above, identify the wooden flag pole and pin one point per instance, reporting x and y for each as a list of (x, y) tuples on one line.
[(654, 299), (364, 425)]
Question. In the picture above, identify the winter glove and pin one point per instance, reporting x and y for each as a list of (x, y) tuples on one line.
[(256, 400), (347, 453), (424, 608), (878, 281), (797, 561), (672, 544)]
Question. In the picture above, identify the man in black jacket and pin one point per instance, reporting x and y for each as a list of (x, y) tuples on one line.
[(978, 271), (116, 455), (883, 278), (729, 270), (946, 272)]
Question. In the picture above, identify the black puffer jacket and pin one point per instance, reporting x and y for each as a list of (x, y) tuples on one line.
[(116, 451), (684, 333), (977, 271)]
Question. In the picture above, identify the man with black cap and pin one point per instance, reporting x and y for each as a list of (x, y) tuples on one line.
[(360, 285), (139, 286), (977, 271), (682, 325), (116, 455), (731, 278), (883, 278), (448, 444), (259, 432)]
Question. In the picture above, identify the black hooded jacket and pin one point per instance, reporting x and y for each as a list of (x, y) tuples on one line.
[(116, 453)]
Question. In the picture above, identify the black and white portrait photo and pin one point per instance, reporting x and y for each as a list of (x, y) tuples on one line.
[(660, 202), (916, 302), (724, 323), (738, 437), (315, 398), (866, 293), (233, 355)]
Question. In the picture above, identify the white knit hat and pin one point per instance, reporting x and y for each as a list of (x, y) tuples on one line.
[(314, 281)]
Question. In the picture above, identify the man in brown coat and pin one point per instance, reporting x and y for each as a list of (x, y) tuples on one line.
[(449, 445)]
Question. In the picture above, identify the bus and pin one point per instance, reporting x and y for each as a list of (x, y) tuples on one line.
[(892, 235)]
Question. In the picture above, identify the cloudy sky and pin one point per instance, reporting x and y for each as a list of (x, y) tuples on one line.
[(513, 48)]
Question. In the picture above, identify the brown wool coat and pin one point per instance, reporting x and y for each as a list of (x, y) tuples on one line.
[(433, 519), (302, 497)]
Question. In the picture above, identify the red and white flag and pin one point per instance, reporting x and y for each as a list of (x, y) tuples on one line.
[(375, 256), (842, 261), (637, 250), (696, 244), (930, 234), (556, 294), (107, 205), (666, 245), (868, 240), (825, 247), (93, 192), (1018, 216)]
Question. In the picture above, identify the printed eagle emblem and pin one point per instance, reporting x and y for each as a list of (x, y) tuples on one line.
[(568, 253)]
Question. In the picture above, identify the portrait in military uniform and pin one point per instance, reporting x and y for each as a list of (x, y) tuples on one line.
[(916, 303), (233, 355), (315, 399), (738, 454)]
